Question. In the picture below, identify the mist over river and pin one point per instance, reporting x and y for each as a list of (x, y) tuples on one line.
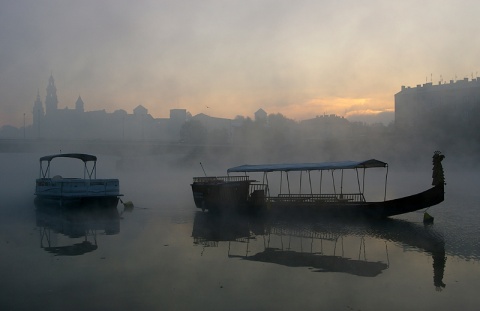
[(166, 254)]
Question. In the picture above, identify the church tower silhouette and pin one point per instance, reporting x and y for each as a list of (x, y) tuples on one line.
[(38, 113), (51, 101)]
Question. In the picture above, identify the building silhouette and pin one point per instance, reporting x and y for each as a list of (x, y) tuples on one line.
[(38, 114), (443, 111), (52, 122), (66, 123), (260, 115)]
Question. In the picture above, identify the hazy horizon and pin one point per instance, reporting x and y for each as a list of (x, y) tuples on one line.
[(300, 59)]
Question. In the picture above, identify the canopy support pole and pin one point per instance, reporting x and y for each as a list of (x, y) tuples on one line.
[(47, 171), (281, 180), (333, 179), (363, 186), (321, 177), (310, 181), (358, 180), (341, 185), (386, 177), (288, 182), (266, 178), (300, 190)]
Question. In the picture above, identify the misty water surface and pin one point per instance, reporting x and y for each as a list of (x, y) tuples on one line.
[(165, 254)]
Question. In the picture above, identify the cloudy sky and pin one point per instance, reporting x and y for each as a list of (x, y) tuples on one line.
[(231, 57)]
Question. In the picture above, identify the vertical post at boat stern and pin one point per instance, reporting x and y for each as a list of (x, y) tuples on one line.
[(201, 165)]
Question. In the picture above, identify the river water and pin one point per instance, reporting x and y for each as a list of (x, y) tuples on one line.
[(164, 254)]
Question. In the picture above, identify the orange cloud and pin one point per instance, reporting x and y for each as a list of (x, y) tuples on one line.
[(333, 105)]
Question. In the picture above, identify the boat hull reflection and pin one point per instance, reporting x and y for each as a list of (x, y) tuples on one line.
[(76, 225), (210, 230)]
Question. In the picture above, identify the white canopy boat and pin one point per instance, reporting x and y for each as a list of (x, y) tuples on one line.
[(75, 191)]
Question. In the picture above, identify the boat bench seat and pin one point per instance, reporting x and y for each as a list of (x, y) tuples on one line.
[(328, 198)]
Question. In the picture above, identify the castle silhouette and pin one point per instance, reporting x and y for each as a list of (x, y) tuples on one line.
[(55, 123), (433, 112)]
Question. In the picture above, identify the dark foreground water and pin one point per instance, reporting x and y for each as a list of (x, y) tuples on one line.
[(165, 255)]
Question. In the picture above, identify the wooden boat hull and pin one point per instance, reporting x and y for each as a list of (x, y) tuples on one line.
[(227, 197), (383, 209), (234, 192), (425, 199), (99, 201), (221, 196)]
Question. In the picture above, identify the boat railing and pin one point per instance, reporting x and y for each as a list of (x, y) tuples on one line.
[(303, 233), (255, 187), (76, 186), (314, 198), (211, 179), (258, 192), (204, 242)]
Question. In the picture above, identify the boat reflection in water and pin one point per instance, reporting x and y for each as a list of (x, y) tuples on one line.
[(320, 245), (81, 225)]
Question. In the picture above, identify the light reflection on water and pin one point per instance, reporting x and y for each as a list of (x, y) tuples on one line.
[(166, 255)]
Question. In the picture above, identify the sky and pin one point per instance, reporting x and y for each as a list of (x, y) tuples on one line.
[(231, 57)]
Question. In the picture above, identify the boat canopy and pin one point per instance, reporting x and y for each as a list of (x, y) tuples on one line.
[(81, 156), (90, 172), (308, 166)]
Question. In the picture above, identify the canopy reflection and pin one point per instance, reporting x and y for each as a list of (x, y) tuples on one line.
[(312, 238), (73, 224)]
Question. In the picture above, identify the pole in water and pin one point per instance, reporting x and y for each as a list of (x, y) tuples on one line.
[(427, 218), (203, 169)]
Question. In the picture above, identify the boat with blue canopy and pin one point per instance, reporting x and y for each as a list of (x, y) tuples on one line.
[(241, 192)]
